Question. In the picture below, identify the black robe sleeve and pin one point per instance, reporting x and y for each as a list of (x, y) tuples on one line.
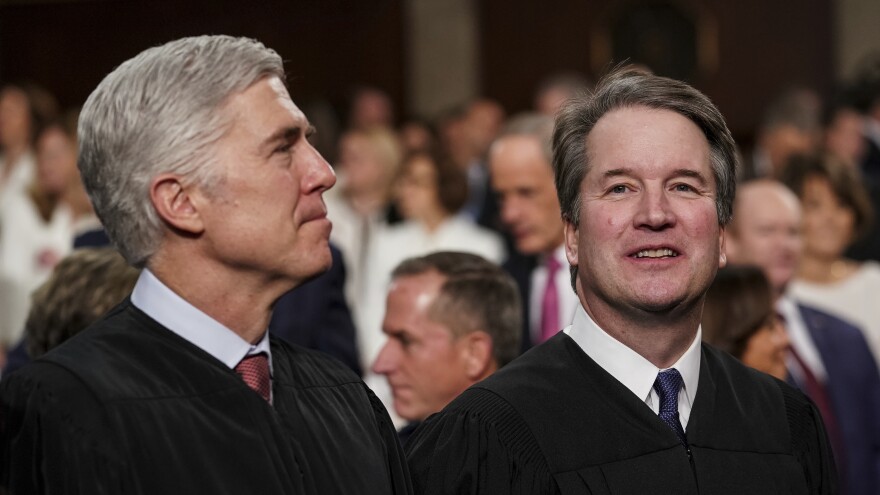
[(478, 446), (396, 460), (809, 442), (54, 436)]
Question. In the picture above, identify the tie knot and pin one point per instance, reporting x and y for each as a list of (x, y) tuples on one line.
[(553, 264), (254, 370), (667, 385)]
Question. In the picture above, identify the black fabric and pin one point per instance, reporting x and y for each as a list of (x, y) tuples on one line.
[(553, 421), (128, 407), (867, 247), (316, 316), (405, 433), (16, 357), (95, 238)]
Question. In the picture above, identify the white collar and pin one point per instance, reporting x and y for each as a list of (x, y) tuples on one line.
[(173, 312), (629, 368)]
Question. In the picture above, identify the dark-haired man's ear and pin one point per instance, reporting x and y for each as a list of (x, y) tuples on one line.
[(570, 232), (478, 359)]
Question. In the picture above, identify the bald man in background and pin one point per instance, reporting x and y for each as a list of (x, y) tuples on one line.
[(522, 180), (829, 358)]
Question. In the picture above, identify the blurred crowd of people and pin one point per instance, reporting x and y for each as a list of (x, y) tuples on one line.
[(479, 181), (43, 204)]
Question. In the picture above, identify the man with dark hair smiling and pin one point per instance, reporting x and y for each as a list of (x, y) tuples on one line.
[(626, 400)]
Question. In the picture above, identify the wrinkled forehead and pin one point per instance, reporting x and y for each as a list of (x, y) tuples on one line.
[(640, 139)]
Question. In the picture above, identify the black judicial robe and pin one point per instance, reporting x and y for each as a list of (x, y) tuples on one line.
[(553, 421), (129, 407)]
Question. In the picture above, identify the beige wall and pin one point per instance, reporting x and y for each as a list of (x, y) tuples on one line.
[(443, 48), (857, 33), (441, 53)]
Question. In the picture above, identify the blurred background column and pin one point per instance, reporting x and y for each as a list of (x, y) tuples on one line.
[(856, 33), (442, 54)]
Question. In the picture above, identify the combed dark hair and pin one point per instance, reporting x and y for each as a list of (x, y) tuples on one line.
[(476, 295), (738, 304), (628, 87), (83, 286), (843, 180)]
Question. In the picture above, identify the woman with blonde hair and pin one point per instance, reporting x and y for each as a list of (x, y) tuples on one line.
[(360, 204)]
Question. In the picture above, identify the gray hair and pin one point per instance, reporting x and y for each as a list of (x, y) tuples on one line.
[(161, 111), (476, 295), (628, 87), (531, 124)]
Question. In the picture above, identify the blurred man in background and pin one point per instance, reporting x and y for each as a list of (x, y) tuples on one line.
[(452, 319), (522, 180), (829, 359)]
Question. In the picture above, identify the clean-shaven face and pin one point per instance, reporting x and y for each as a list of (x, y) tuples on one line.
[(649, 240), (267, 216)]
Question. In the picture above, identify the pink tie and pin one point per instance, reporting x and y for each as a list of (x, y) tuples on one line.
[(550, 302), (254, 370)]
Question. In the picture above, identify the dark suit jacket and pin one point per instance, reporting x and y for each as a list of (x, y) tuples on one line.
[(520, 268), (316, 316), (854, 392)]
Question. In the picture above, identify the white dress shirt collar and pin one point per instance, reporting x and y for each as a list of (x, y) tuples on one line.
[(631, 369), (801, 341), (173, 312)]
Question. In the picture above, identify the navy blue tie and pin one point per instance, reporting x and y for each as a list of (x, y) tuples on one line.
[(667, 385)]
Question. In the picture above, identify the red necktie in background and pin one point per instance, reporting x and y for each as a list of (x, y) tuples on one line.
[(550, 302)]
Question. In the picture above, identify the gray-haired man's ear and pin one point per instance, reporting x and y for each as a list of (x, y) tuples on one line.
[(177, 204)]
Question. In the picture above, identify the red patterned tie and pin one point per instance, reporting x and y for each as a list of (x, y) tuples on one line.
[(550, 301), (254, 370)]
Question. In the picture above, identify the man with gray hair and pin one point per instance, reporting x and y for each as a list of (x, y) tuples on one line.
[(199, 166), (522, 178), (627, 400)]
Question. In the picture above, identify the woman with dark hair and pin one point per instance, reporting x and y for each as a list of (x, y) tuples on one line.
[(429, 191), (836, 212), (738, 317)]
